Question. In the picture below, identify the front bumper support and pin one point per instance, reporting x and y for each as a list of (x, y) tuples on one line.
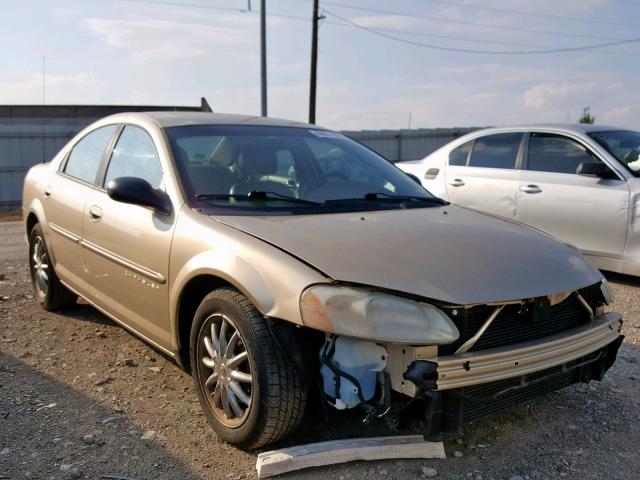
[(459, 388)]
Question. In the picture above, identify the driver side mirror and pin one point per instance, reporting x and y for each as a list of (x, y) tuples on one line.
[(593, 169), (137, 191)]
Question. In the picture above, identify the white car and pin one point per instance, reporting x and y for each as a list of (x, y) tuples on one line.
[(577, 182)]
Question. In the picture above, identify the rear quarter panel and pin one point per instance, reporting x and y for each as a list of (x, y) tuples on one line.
[(436, 160)]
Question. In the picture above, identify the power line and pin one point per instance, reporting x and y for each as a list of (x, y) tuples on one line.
[(467, 22), (350, 24), (484, 52), (532, 14)]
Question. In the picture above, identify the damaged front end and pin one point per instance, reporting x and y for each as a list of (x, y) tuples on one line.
[(478, 359)]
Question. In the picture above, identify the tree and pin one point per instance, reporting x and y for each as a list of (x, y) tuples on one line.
[(586, 116)]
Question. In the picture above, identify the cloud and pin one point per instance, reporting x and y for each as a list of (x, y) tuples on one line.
[(396, 22), (165, 39), (76, 89), (550, 93)]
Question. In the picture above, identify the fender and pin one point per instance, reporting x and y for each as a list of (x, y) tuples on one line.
[(262, 272)]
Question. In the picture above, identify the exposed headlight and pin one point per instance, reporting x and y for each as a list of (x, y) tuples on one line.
[(377, 316), (607, 293)]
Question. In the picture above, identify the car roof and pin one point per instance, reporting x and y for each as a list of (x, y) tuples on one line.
[(566, 127), (166, 119)]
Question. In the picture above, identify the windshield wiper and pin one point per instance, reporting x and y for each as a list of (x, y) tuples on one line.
[(386, 197), (259, 195)]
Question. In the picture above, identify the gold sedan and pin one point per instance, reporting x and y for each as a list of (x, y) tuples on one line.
[(267, 257)]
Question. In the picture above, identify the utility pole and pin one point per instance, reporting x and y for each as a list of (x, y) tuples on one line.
[(263, 55), (314, 63), (44, 80)]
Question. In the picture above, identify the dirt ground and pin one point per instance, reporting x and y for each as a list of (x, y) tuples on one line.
[(82, 398)]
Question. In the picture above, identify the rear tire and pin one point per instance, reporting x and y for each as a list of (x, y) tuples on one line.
[(49, 291), (253, 401)]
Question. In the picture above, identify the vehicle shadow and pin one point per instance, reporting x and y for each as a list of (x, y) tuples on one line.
[(50, 430), (83, 311), (628, 280)]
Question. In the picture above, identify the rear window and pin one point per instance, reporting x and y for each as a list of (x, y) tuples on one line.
[(459, 155), (496, 151), (85, 158)]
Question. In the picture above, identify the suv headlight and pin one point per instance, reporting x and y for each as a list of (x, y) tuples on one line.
[(360, 313)]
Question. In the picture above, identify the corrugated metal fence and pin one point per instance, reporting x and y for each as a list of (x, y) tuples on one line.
[(31, 134), (26, 143), (402, 145), (34, 137)]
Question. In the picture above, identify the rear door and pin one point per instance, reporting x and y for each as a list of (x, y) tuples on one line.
[(127, 246), (589, 212), (482, 173), (64, 199)]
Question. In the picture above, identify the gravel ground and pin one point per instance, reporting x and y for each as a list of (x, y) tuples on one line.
[(82, 398)]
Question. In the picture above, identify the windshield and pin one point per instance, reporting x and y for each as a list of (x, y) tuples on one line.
[(624, 145), (283, 168)]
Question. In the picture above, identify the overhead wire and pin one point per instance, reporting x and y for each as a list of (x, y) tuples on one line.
[(484, 52), (386, 32)]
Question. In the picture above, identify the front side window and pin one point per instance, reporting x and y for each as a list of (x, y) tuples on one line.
[(135, 156), (496, 151), (84, 160), (459, 155), (555, 153), (623, 145), (268, 168)]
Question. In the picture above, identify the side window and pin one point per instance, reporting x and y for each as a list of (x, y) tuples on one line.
[(554, 153), (84, 159), (135, 156), (496, 151), (459, 155)]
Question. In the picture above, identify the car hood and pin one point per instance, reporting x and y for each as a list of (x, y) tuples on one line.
[(450, 253)]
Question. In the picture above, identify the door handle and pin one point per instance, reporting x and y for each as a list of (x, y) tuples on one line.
[(530, 189), (48, 190), (457, 182), (96, 213)]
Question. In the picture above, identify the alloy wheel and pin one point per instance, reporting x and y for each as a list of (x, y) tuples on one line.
[(225, 371), (40, 265)]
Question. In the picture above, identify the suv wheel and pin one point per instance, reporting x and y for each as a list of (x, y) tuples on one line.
[(251, 393), (50, 292)]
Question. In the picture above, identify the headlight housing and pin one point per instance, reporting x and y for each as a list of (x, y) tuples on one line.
[(361, 313)]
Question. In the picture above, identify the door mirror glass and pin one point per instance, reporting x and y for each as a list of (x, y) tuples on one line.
[(593, 169), (137, 191)]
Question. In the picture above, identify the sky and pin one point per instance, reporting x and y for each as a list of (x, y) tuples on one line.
[(377, 68)]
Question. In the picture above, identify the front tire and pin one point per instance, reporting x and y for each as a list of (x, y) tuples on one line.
[(251, 393), (49, 291)]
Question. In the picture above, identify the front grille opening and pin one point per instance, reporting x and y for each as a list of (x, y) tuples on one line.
[(515, 324)]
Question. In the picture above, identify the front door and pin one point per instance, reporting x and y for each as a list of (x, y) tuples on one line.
[(588, 212), (127, 246)]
